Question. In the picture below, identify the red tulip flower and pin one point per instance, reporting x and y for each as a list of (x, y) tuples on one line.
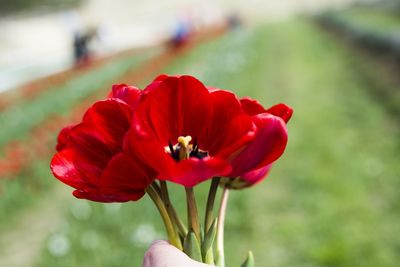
[(176, 130), (190, 133), (255, 159), (90, 157)]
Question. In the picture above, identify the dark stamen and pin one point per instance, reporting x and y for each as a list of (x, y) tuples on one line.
[(195, 148), (171, 148), (201, 154), (173, 154)]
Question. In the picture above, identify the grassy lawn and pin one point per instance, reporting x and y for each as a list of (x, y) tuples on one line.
[(371, 20), (30, 184), (332, 200)]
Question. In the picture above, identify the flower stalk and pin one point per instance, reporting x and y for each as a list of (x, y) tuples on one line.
[(193, 218), (171, 210), (208, 218), (220, 228), (172, 235)]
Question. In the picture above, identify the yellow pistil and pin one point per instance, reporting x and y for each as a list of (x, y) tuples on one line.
[(185, 148)]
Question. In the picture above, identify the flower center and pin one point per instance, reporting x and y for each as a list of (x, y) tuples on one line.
[(184, 149)]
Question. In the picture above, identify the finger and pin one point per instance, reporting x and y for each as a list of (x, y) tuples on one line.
[(162, 254)]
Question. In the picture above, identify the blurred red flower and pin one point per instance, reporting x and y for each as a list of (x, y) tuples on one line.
[(90, 157), (190, 133)]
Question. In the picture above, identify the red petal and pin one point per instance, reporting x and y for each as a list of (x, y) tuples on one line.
[(193, 171), (175, 107), (161, 77), (110, 119), (256, 176), (108, 196), (90, 153), (92, 143), (251, 106), (125, 173), (128, 94), (282, 111), (148, 149), (63, 167), (123, 180), (157, 81), (62, 138), (229, 128), (268, 145), (212, 89)]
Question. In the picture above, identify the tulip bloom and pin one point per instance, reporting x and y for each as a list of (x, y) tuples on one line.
[(90, 157), (178, 130), (253, 163), (190, 133)]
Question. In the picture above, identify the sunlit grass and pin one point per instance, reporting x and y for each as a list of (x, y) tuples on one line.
[(23, 190)]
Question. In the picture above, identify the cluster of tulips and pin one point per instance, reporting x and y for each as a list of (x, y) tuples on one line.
[(175, 130)]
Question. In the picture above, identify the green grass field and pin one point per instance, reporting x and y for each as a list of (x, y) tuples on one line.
[(371, 20), (331, 200)]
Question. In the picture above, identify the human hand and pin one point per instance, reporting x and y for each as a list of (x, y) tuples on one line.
[(162, 254)]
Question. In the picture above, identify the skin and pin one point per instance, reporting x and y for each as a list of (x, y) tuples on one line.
[(162, 254)]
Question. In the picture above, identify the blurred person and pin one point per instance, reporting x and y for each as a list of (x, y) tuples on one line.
[(82, 53), (162, 254), (181, 33), (234, 21)]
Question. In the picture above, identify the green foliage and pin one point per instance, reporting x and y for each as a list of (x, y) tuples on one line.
[(332, 200), (249, 262), (208, 241), (370, 19), (191, 246), (30, 184)]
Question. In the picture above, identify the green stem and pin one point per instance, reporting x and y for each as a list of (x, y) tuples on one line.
[(171, 210), (220, 228), (208, 218), (193, 218), (172, 235), (157, 188)]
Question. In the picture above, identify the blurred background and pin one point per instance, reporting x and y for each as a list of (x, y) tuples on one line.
[(331, 200)]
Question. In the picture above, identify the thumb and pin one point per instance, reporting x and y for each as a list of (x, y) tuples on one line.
[(162, 254)]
